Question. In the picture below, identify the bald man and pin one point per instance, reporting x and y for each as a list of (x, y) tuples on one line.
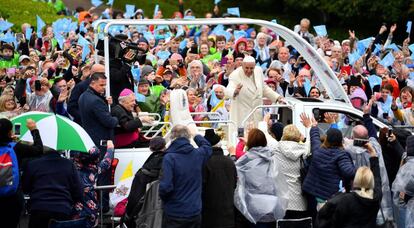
[(246, 90), (73, 107), (361, 135)]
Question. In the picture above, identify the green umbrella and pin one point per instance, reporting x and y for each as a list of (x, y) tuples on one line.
[(57, 132)]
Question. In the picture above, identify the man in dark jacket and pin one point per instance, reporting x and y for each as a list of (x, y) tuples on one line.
[(73, 106), (98, 122), (361, 135), (181, 179), (219, 182), (96, 118), (53, 184), (121, 78)]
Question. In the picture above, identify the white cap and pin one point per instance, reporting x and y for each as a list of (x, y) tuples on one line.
[(23, 57), (249, 59)]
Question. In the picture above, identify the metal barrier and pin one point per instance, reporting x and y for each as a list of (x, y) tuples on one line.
[(206, 113), (150, 114), (101, 189), (262, 107), (213, 121), (156, 131)]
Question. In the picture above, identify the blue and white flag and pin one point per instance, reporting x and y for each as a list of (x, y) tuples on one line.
[(320, 30)]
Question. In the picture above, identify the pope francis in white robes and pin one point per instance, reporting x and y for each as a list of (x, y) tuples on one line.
[(246, 90)]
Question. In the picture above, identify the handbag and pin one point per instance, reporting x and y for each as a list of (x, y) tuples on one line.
[(387, 223), (304, 167)]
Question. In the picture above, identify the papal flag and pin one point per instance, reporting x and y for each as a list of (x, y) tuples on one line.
[(123, 187)]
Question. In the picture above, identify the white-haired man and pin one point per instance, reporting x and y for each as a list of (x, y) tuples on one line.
[(246, 90), (181, 178)]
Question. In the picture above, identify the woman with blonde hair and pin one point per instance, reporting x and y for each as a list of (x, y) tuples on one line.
[(360, 207), (9, 107), (289, 152)]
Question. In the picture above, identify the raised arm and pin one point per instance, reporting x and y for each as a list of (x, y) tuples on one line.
[(310, 122), (203, 146), (372, 131), (24, 150)]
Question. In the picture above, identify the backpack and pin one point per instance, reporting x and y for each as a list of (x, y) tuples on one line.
[(151, 212), (9, 170), (130, 218)]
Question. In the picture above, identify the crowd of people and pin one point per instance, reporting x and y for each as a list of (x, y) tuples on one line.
[(227, 70)]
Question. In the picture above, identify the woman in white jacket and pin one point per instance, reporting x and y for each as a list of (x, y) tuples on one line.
[(288, 152)]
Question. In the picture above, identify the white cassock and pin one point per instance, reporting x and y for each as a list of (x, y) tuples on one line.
[(250, 96)]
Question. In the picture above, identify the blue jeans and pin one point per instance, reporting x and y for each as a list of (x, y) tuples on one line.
[(402, 212)]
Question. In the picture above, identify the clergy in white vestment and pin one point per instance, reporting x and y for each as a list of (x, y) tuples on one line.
[(246, 89)]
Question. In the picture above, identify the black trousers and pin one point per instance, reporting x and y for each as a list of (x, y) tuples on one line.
[(104, 179), (10, 210), (174, 222), (296, 214), (41, 219)]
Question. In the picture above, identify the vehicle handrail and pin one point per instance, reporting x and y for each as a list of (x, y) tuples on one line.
[(330, 82), (213, 121), (164, 124), (262, 107), (206, 113), (150, 114)]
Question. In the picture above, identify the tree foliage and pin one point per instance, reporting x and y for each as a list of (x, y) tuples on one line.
[(384, 10)]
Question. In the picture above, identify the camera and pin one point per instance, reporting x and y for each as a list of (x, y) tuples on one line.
[(17, 127), (360, 142), (104, 143), (38, 85), (180, 64), (240, 132), (274, 117)]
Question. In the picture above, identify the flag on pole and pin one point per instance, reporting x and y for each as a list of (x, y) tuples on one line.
[(40, 25), (320, 30), (96, 3), (234, 11), (156, 9), (409, 24), (29, 32), (4, 25)]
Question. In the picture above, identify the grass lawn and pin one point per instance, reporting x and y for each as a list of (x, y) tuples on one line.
[(25, 11)]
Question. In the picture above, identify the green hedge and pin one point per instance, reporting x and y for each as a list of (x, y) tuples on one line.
[(25, 11)]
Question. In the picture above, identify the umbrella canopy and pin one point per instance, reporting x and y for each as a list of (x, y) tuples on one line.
[(57, 132)]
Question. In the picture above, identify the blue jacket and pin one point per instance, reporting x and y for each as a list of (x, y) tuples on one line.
[(181, 177), (96, 118), (327, 168), (53, 184)]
